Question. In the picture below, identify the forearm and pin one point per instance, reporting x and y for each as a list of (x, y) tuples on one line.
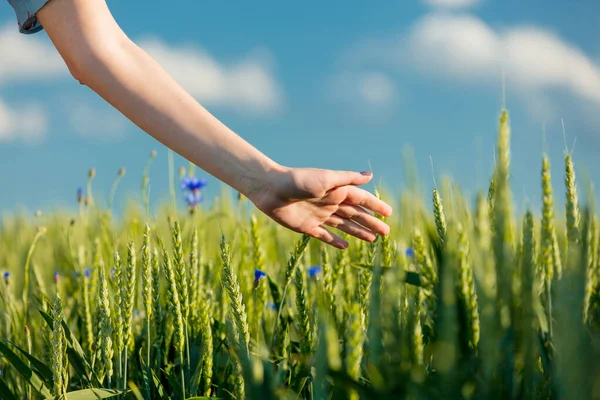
[(129, 79), (101, 56)]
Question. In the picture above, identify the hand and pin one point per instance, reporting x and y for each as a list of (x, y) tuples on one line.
[(305, 199)]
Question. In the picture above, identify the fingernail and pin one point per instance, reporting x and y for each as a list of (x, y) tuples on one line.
[(366, 173)]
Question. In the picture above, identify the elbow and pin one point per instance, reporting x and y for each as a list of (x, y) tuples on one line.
[(76, 72), (82, 65), (79, 59), (87, 63)]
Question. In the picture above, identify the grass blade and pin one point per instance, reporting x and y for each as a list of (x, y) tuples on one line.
[(27, 373)]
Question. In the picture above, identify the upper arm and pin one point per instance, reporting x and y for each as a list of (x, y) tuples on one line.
[(83, 31)]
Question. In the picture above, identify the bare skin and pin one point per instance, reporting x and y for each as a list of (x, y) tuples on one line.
[(101, 56)]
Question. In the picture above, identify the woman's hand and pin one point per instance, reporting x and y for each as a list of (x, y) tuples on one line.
[(305, 199)]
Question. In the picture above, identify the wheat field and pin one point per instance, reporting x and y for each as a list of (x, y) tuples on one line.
[(463, 300)]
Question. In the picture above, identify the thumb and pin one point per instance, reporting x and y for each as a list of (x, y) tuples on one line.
[(344, 178)]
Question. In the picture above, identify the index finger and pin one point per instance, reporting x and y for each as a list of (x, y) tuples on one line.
[(362, 198)]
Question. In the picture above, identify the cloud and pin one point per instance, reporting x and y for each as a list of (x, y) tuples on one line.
[(534, 59), (372, 89), (376, 88), (26, 123), (247, 85), (28, 58), (102, 123), (543, 71), (451, 3)]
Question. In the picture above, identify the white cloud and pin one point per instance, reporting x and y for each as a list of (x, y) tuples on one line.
[(545, 73), (376, 88), (534, 59), (451, 3), (460, 46), (101, 123), (246, 85), (372, 89), (26, 123), (28, 57)]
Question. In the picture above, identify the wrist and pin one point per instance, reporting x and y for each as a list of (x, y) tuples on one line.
[(261, 181)]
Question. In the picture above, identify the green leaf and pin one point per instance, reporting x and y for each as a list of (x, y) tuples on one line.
[(5, 393), (145, 375), (159, 386), (175, 384), (196, 378), (26, 372), (77, 358), (91, 394), (43, 371), (275, 292), (136, 392), (303, 383)]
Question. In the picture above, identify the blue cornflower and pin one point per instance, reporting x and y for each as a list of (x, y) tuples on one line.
[(410, 252), (76, 274), (193, 198), (79, 195), (314, 271), (6, 277), (56, 276), (87, 272), (271, 306), (192, 183), (258, 275), (136, 313)]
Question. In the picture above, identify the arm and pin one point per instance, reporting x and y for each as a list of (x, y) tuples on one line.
[(100, 56)]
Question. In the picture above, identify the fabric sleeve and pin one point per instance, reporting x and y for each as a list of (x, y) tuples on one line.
[(26, 14)]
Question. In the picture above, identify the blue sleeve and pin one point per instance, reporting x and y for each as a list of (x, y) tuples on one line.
[(26, 14)]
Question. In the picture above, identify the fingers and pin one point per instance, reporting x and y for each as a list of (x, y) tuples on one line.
[(362, 217), (350, 227), (362, 198), (328, 237), (344, 178)]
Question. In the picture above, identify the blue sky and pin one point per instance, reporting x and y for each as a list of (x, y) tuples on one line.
[(340, 85)]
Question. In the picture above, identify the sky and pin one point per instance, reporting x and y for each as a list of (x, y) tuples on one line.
[(339, 85)]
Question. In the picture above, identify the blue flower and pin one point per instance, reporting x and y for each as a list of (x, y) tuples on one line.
[(193, 198), (314, 271), (6, 277), (76, 274), (136, 313), (258, 275), (271, 306), (79, 195), (56, 276), (409, 252), (192, 183), (87, 273)]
